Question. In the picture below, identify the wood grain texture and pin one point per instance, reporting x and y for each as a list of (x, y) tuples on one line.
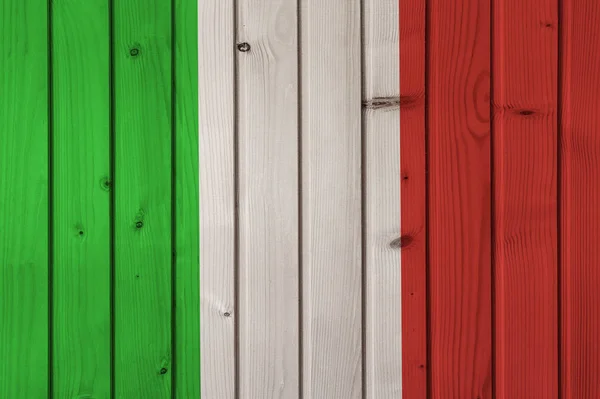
[(142, 79), (331, 199), (81, 282), (525, 186), (217, 198), (24, 199), (580, 173), (412, 199), (460, 199), (268, 200), (383, 374), (187, 268)]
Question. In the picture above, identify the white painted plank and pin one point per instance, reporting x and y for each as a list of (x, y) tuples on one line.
[(331, 198), (268, 199), (382, 200), (217, 229)]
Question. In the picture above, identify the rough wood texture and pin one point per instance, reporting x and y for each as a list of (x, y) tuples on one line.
[(383, 374), (268, 200), (331, 199), (81, 281), (217, 198), (580, 196), (24, 199), (413, 226), (525, 198), (459, 199), (143, 253)]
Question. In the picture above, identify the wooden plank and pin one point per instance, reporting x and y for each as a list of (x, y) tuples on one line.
[(217, 198), (187, 268), (579, 198), (412, 199), (460, 199), (383, 371), (142, 286), (525, 186), (81, 279), (268, 199), (24, 199), (331, 199)]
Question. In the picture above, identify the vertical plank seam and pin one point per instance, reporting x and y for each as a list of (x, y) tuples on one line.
[(111, 207), (492, 206), (427, 194), (173, 202), (236, 195), (300, 208), (50, 172), (363, 205), (559, 130)]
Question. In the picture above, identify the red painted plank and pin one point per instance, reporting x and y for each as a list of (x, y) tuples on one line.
[(412, 196), (525, 63), (460, 199), (580, 199)]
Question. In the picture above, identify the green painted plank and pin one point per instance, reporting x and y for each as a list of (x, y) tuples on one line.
[(143, 303), (81, 283), (23, 199), (187, 355)]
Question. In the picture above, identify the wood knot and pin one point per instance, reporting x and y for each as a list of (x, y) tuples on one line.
[(163, 371), (401, 242), (385, 103), (139, 224), (105, 184), (243, 47), (134, 52), (526, 112)]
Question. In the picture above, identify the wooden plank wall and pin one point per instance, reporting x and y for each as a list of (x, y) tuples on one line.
[(299, 193), (500, 171), (99, 202)]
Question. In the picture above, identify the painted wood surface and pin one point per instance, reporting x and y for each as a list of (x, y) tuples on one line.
[(268, 152), (459, 200), (99, 202), (525, 144), (579, 196), (283, 278), (24, 199), (186, 273), (381, 113), (81, 199), (413, 202), (512, 304), (143, 250), (332, 252), (217, 199)]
